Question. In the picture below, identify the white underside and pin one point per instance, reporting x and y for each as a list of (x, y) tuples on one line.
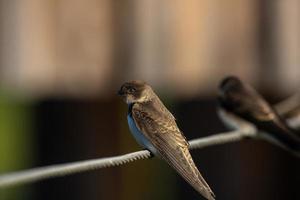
[(236, 123), (139, 136)]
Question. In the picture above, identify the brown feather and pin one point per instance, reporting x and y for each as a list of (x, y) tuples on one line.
[(159, 127)]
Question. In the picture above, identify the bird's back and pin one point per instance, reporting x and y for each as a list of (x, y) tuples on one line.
[(159, 126)]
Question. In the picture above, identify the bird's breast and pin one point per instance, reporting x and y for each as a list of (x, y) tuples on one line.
[(139, 136)]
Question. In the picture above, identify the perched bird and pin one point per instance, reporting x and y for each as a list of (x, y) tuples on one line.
[(239, 102), (154, 128)]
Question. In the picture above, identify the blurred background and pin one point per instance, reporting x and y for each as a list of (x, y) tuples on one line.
[(62, 61)]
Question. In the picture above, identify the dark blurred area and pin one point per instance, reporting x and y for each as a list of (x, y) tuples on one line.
[(61, 63)]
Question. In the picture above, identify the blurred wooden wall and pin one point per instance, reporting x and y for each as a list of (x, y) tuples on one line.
[(87, 47), (56, 47), (288, 43)]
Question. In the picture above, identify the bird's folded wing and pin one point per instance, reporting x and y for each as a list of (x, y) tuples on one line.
[(265, 118), (171, 145)]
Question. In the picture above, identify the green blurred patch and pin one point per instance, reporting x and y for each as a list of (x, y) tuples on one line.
[(16, 140)]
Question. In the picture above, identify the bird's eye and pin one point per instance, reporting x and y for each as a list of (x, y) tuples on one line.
[(131, 90)]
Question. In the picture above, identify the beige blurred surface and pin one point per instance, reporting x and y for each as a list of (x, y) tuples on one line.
[(71, 56), (87, 48)]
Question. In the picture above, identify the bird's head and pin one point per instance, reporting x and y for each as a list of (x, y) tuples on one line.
[(230, 91), (135, 91)]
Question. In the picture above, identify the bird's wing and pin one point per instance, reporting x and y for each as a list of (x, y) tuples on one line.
[(254, 105), (258, 111), (171, 145)]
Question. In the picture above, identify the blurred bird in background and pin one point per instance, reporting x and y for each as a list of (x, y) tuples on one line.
[(239, 101)]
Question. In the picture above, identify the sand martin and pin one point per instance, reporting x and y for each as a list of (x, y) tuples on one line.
[(155, 129), (240, 102)]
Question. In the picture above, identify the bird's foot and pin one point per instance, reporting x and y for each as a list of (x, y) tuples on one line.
[(151, 154)]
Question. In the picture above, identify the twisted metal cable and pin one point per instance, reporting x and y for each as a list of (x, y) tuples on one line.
[(42, 173), (288, 104), (58, 170)]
